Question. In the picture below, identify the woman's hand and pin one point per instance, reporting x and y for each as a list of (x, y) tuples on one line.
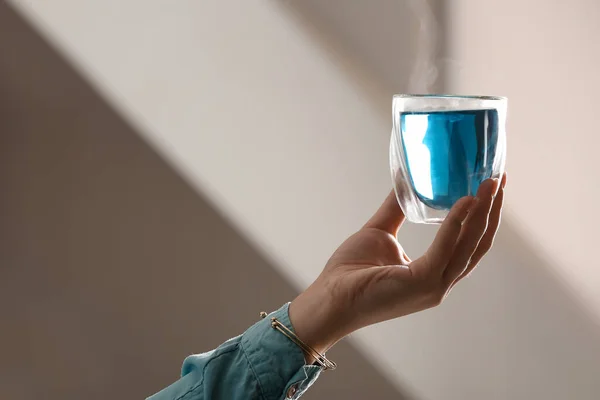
[(370, 278)]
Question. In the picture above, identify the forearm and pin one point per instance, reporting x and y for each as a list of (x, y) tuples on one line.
[(261, 364), (317, 320)]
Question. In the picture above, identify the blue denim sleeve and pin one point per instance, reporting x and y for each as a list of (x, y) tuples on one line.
[(260, 364)]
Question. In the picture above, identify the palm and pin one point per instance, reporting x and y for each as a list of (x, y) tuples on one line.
[(370, 278), (372, 275), (370, 247), (372, 271)]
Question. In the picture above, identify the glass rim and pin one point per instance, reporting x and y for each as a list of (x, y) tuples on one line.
[(449, 96)]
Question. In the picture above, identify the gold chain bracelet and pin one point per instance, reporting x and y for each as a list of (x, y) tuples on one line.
[(320, 359)]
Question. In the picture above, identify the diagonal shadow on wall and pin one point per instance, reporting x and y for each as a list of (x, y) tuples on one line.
[(112, 268)]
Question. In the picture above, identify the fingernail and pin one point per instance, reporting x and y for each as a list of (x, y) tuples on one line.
[(496, 187), (504, 180)]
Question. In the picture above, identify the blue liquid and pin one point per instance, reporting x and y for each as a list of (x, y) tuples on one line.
[(448, 153)]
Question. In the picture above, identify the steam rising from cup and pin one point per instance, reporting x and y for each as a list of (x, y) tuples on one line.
[(425, 71)]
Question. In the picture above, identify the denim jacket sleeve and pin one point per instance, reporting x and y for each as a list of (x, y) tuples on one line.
[(260, 364)]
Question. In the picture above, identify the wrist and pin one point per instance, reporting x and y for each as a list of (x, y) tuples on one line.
[(316, 319)]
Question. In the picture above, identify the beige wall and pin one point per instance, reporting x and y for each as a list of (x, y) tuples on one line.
[(543, 55), (249, 104), (383, 38), (112, 268)]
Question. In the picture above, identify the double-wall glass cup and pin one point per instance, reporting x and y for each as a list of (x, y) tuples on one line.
[(442, 148)]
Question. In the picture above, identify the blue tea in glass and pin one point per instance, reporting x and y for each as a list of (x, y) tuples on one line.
[(442, 148)]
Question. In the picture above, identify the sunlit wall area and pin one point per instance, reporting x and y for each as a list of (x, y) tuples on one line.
[(544, 56), (270, 121)]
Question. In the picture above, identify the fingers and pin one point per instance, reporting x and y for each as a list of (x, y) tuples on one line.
[(472, 231), (440, 251), (488, 238), (389, 217)]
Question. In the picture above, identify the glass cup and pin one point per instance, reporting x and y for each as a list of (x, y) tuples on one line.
[(442, 148)]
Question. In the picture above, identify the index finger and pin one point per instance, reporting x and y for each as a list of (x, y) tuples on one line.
[(488, 238), (472, 231)]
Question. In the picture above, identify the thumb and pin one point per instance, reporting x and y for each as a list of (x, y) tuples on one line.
[(389, 217)]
